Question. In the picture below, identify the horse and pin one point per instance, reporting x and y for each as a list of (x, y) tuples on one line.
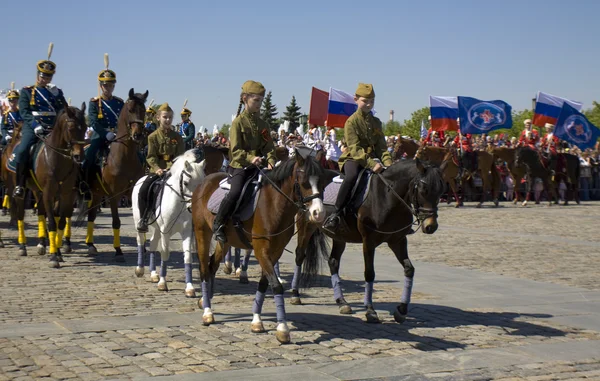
[(405, 146), (52, 182), (507, 154), (489, 174), (123, 167), (531, 160), (407, 189), (173, 213), (296, 184)]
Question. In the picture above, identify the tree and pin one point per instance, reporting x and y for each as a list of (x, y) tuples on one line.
[(412, 127), (518, 117), (391, 128), (593, 114), (225, 129), (268, 113), (292, 114)]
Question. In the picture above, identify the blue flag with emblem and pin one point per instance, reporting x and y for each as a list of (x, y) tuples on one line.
[(574, 128), (481, 117)]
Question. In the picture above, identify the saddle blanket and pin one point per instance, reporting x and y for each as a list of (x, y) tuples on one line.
[(332, 190), (247, 207), (34, 151)]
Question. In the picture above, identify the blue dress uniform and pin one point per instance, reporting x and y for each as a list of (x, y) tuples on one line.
[(10, 119), (38, 107), (187, 130)]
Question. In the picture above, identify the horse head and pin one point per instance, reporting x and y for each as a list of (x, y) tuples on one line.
[(425, 191), (188, 171), (133, 115), (71, 128), (523, 156)]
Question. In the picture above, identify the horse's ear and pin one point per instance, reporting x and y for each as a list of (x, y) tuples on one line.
[(188, 166), (131, 93), (70, 112), (420, 165), (299, 159), (145, 96), (83, 107)]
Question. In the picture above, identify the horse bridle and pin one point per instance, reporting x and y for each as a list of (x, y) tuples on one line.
[(130, 122), (68, 153), (420, 212), (302, 201)]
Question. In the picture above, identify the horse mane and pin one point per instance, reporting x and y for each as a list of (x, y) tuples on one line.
[(408, 168), (193, 155), (286, 169)]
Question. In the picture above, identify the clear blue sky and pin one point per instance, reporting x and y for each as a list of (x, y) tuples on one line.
[(204, 50)]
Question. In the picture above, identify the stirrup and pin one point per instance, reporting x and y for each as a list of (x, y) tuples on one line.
[(332, 222), (142, 226), (19, 192), (219, 234)]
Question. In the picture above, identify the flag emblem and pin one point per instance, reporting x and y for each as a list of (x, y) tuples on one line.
[(484, 116)]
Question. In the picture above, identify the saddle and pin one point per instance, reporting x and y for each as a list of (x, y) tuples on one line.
[(359, 193), (154, 196), (245, 206), (34, 151)]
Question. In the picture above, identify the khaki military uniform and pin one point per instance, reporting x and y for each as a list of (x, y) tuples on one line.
[(249, 137), (163, 147), (364, 137)]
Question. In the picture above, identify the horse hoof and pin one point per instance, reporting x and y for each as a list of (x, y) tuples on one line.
[(228, 268), (257, 327), (296, 301), (524, 203), (238, 271), (208, 319), (515, 201), (478, 206), (139, 272), (190, 293), (120, 258), (283, 337), (162, 286), (1, 245), (398, 316), (200, 303), (60, 258), (92, 250), (23, 251), (41, 249), (154, 278), (372, 317), (54, 264), (458, 205), (346, 309), (244, 280), (496, 203)]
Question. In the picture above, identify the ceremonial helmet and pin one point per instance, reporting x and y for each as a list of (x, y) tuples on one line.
[(46, 67), (107, 75), (184, 110), (150, 110), (549, 126), (12, 94)]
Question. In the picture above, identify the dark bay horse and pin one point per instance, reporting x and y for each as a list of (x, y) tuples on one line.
[(123, 168), (531, 160), (405, 146), (296, 184), (485, 164), (407, 189), (55, 176), (507, 155)]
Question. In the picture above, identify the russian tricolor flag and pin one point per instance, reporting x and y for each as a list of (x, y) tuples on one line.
[(547, 108), (341, 105), (444, 112)]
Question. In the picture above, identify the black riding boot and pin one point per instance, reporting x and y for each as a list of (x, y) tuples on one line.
[(86, 181), (225, 210), (333, 221), (20, 187), (142, 225)]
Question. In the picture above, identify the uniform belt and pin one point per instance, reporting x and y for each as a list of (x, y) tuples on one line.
[(166, 157), (43, 113)]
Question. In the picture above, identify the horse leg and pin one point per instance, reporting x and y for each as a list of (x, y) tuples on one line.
[(165, 254), (141, 250), (527, 190), (305, 231), (22, 240), (549, 185), (228, 268), (400, 249), (277, 272), (154, 278), (67, 237), (452, 183), (190, 292), (89, 236), (206, 264), (48, 204), (42, 230), (337, 250), (237, 253), (257, 325), (369, 258), (116, 226), (61, 224)]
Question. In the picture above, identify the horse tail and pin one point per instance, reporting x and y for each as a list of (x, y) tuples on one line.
[(82, 211), (317, 251)]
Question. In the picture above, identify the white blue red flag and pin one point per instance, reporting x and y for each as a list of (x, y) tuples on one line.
[(423, 129), (340, 107), (548, 108), (444, 112), (480, 117)]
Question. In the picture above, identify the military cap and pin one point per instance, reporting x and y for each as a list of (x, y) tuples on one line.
[(253, 87), (549, 125), (12, 94), (107, 76), (150, 110), (527, 121), (365, 90), (46, 67), (186, 111), (165, 107)]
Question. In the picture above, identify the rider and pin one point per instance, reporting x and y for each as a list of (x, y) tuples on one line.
[(187, 130), (468, 158), (529, 136), (367, 148), (164, 145), (249, 141), (550, 145), (11, 117), (103, 116), (150, 125), (435, 138), (38, 105)]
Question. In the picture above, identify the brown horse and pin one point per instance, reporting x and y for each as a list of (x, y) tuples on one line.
[(405, 146), (55, 176), (123, 168), (507, 155), (295, 184), (486, 167)]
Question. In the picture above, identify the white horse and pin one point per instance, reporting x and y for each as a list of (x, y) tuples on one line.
[(172, 216)]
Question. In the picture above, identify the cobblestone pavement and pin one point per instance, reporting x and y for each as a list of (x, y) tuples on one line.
[(93, 319)]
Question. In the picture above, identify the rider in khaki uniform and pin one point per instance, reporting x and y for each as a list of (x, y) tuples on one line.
[(364, 137), (249, 141), (164, 145)]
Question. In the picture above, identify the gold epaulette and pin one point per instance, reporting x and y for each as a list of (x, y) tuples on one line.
[(94, 99)]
